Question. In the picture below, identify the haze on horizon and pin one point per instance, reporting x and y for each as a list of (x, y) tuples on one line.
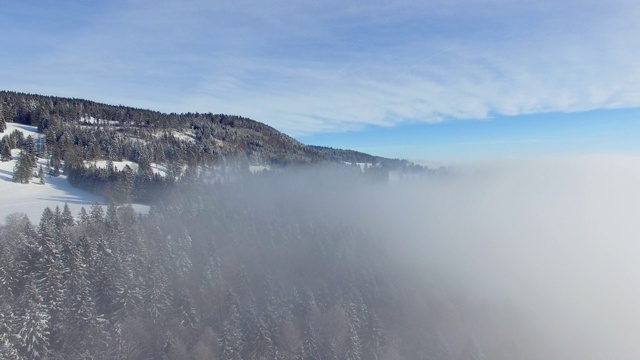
[(555, 239)]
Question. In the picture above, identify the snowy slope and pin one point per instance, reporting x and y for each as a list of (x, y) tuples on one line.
[(32, 198), (119, 165)]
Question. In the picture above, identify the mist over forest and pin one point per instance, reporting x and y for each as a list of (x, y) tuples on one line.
[(500, 260), (257, 246)]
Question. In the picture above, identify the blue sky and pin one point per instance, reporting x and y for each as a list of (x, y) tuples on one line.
[(414, 79)]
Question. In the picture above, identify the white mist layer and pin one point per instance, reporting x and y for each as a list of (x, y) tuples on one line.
[(559, 239)]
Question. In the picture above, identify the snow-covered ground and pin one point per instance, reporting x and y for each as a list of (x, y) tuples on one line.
[(119, 165), (258, 168), (32, 198), (93, 121)]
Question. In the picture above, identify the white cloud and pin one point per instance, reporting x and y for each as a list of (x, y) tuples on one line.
[(308, 67)]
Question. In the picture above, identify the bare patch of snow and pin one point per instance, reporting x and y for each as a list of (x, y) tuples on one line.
[(187, 136), (32, 198), (258, 168), (159, 169), (26, 130), (90, 120), (118, 165)]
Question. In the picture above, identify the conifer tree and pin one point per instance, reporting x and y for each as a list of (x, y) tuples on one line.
[(55, 162), (310, 344), (22, 169), (97, 213), (41, 175), (6, 151), (32, 322), (3, 121), (28, 147), (185, 310), (8, 337), (373, 337), (67, 216), (352, 350), (263, 347), (84, 217), (17, 138), (157, 301), (50, 273), (8, 273), (231, 341), (181, 250)]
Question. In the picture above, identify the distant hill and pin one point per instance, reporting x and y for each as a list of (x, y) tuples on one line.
[(215, 136), (128, 154)]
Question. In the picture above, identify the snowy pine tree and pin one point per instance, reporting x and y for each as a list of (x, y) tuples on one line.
[(3, 121), (263, 347), (22, 170), (8, 336), (67, 216), (309, 344), (32, 322), (352, 349), (231, 341), (5, 150)]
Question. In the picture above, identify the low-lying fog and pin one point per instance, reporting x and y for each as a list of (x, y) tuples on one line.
[(551, 246), (559, 239)]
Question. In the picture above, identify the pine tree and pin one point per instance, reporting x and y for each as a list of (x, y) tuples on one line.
[(50, 272), (157, 301), (309, 344), (17, 138), (232, 337), (373, 337), (3, 121), (22, 169), (67, 216), (84, 217), (8, 272), (6, 151), (8, 336), (55, 162), (352, 350), (186, 311), (97, 213), (32, 323), (181, 251), (41, 175), (263, 347), (28, 147)]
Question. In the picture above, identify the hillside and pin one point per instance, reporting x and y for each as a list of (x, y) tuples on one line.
[(129, 155), (213, 137)]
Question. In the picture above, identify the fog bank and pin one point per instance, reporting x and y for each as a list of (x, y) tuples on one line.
[(557, 238)]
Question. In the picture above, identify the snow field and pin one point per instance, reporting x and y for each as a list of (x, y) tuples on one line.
[(32, 198)]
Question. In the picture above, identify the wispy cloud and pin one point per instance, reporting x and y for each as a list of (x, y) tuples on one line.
[(307, 67)]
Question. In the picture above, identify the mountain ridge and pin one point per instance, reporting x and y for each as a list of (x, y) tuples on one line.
[(222, 134)]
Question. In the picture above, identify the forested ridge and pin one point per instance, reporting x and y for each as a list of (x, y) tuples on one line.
[(75, 133)]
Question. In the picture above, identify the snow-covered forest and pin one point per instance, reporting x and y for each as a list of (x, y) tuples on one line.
[(274, 266), (323, 255)]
